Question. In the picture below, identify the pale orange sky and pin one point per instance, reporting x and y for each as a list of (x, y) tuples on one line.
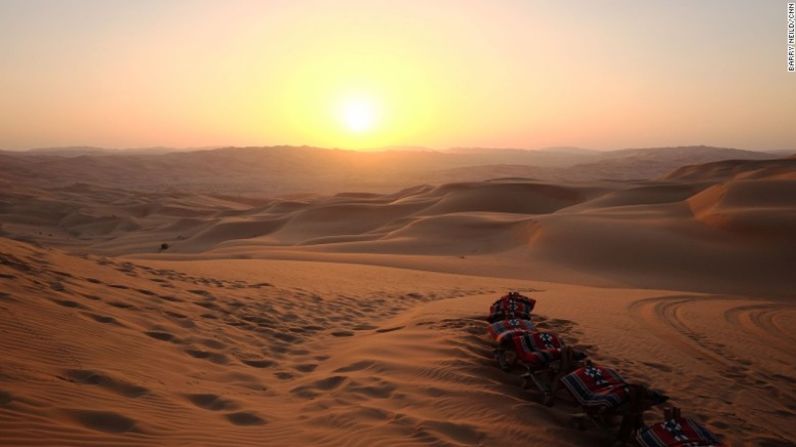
[(443, 73)]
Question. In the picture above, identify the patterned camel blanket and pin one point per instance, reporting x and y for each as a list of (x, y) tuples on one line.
[(677, 432), (596, 387), (504, 328), (538, 349), (511, 306)]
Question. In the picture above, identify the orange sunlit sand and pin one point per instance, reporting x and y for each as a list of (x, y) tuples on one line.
[(359, 223)]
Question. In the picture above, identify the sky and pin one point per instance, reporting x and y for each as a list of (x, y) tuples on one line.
[(372, 73)]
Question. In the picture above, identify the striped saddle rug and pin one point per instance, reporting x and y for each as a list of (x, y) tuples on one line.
[(677, 432), (511, 306), (537, 349), (504, 328), (596, 387)]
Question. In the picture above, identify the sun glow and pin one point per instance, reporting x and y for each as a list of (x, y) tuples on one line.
[(352, 100), (359, 115)]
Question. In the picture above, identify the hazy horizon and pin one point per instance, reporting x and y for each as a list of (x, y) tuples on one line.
[(366, 74), (407, 148)]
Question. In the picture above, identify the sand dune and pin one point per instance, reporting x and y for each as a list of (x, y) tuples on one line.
[(356, 318), (752, 208), (731, 235), (238, 352), (727, 169)]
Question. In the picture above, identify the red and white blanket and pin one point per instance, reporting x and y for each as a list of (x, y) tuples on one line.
[(512, 306), (504, 328), (597, 387), (677, 432), (537, 349)]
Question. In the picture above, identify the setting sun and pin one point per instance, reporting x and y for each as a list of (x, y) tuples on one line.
[(359, 114)]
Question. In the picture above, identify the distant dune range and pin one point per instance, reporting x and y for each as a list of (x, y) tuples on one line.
[(283, 170), (299, 311), (724, 226)]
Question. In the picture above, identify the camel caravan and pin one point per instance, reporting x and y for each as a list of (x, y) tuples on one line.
[(605, 398)]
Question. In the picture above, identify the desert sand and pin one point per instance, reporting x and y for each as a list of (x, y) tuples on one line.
[(357, 318)]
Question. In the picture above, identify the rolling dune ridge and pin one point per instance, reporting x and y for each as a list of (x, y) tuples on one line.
[(729, 236)]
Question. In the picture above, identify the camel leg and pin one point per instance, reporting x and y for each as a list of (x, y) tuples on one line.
[(564, 367)]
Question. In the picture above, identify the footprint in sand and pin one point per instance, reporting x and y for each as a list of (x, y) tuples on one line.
[(389, 329), (306, 367), (358, 366), (212, 402), (203, 293), (282, 375), (170, 298), (89, 377), (285, 337), (317, 388), (67, 303), (161, 335), (102, 318), (245, 418), (104, 421), (175, 315), (122, 305), (259, 363), (214, 357), (209, 305), (377, 389)]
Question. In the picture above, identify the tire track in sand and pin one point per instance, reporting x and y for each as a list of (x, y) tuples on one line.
[(763, 320), (742, 345)]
